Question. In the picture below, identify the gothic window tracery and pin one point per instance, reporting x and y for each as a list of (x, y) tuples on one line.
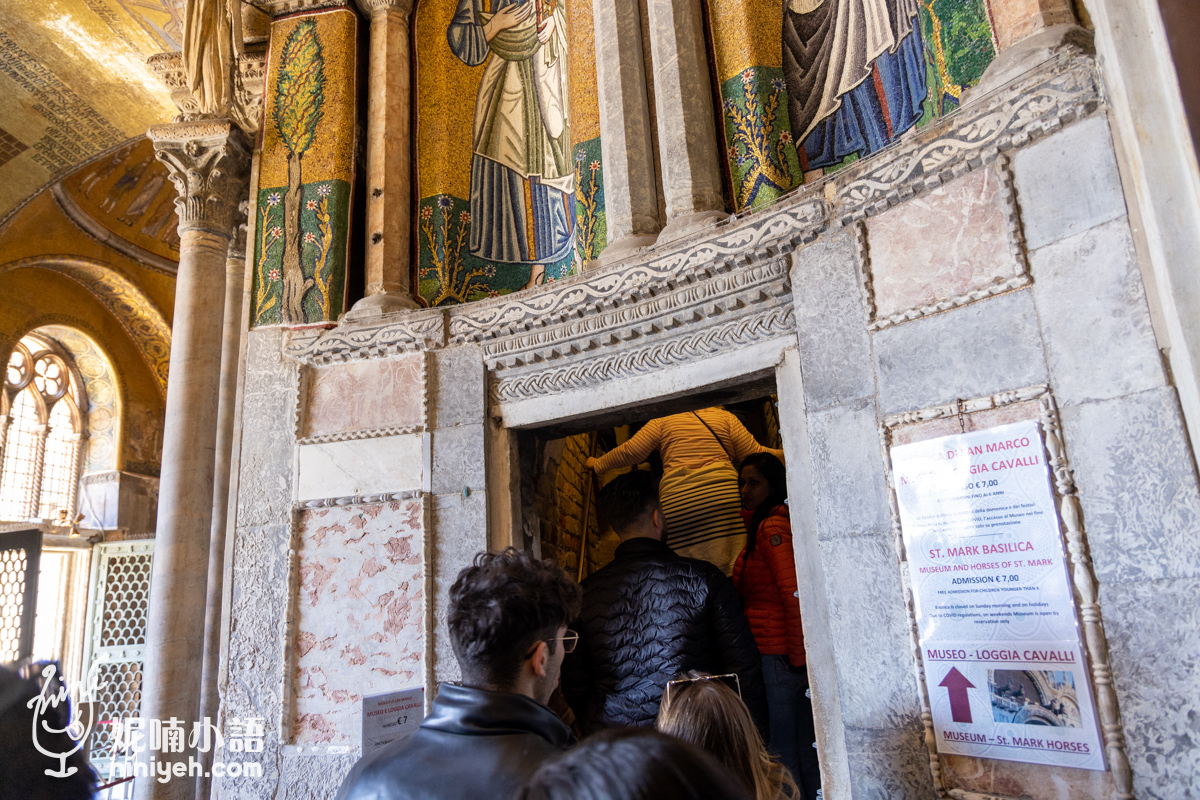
[(41, 430)]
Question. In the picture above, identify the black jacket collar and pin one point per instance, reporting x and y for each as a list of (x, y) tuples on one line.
[(467, 711), (640, 546)]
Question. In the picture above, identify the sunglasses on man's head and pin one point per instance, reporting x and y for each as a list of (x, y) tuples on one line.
[(729, 679)]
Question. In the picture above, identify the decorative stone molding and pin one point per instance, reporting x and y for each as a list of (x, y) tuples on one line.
[(358, 500), (369, 433), (694, 344), (208, 161), (1082, 578), (279, 7), (168, 68), (1054, 94), (404, 332), (370, 7), (1016, 249)]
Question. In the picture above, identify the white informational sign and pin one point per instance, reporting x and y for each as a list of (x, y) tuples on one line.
[(1004, 669), (389, 716)]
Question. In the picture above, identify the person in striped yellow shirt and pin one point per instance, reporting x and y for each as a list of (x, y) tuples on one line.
[(699, 490)]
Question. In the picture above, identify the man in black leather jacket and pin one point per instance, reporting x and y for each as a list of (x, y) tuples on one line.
[(486, 737), (650, 616)]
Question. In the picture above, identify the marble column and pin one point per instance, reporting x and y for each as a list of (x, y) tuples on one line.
[(207, 161), (231, 341), (630, 188), (389, 162), (33, 498), (687, 131)]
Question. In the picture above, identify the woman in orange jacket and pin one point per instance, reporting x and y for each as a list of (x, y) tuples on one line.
[(765, 577)]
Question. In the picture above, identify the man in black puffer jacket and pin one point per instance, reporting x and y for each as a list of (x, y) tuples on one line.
[(650, 616)]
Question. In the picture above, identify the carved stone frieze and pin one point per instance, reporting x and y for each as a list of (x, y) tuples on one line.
[(404, 332), (358, 500), (1039, 103), (694, 344), (759, 238), (208, 161)]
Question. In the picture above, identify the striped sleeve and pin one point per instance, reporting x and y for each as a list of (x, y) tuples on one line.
[(634, 451)]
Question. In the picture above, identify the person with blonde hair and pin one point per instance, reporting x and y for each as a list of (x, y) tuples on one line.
[(706, 711)]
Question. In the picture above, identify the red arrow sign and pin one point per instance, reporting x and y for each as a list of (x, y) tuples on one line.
[(960, 704)]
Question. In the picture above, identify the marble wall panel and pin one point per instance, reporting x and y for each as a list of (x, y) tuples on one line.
[(458, 459), (976, 350), (268, 432), (459, 533), (848, 470), (1137, 487), (360, 614), (1151, 631), (890, 764), (835, 348), (1068, 182), (870, 632), (360, 466), (365, 395), (460, 390), (314, 777), (942, 244), (1090, 299), (255, 654), (1034, 781)]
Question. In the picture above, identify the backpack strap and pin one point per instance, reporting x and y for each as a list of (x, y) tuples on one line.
[(714, 435)]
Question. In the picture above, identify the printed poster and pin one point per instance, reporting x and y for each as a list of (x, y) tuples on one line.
[(389, 716), (1004, 668)]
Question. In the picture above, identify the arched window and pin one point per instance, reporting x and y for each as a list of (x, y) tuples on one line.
[(40, 433)]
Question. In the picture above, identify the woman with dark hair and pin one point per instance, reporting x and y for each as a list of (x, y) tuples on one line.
[(704, 710), (765, 577), (634, 764)]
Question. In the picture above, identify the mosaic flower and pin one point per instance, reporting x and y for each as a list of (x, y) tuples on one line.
[(785, 137), (309, 238), (311, 205), (273, 274), (595, 165), (493, 293), (276, 232), (273, 199), (777, 84), (324, 189), (730, 106), (444, 202), (748, 76), (426, 212), (465, 217), (580, 157)]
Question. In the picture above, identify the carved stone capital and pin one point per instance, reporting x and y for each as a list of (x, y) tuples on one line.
[(209, 164), (372, 7), (249, 81)]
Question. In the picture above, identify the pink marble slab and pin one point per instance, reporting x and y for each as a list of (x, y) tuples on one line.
[(364, 395), (360, 625), (943, 244)]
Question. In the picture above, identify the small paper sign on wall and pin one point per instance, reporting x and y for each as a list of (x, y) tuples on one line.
[(1004, 669), (390, 716)]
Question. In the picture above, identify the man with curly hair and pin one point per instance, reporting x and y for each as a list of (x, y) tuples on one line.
[(486, 736)]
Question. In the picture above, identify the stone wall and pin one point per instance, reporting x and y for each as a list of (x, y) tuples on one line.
[(1020, 290)]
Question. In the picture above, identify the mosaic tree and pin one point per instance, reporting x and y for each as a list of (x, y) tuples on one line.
[(299, 99)]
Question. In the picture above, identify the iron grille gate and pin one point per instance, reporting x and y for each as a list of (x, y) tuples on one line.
[(20, 553), (116, 638)]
